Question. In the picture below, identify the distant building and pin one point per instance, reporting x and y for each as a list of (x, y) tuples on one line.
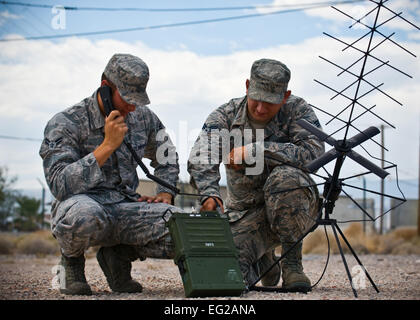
[(405, 215), (346, 212)]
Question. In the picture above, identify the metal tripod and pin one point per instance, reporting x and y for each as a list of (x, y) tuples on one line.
[(332, 190)]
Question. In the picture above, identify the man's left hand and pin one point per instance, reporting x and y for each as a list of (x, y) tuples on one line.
[(160, 197)]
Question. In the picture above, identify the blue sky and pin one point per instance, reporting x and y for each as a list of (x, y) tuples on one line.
[(205, 39), (196, 68)]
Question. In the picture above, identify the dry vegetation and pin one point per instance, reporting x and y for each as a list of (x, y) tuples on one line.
[(39, 243), (400, 241)]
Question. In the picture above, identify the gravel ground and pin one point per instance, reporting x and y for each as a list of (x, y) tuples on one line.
[(24, 277)]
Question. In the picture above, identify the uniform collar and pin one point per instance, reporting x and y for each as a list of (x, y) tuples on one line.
[(241, 117)]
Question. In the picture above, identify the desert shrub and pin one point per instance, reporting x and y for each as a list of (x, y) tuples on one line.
[(354, 230), (400, 241), (7, 244), (406, 248), (356, 238), (416, 241), (405, 233), (386, 244), (315, 242), (39, 243), (37, 246)]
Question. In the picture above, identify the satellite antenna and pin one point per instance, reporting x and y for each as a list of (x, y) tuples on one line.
[(343, 148)]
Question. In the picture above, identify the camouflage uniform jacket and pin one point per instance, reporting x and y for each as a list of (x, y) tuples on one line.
[(70, 167), (284, 142)]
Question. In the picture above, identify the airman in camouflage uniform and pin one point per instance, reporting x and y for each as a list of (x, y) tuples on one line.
[(92, 175), (276, 206)]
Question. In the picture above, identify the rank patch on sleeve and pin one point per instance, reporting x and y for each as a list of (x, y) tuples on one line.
[(53, 144)]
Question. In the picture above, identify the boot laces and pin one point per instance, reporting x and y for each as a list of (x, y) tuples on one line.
[(293, 261), (293, 265)]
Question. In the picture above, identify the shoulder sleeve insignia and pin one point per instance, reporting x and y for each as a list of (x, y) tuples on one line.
[(53, 144)]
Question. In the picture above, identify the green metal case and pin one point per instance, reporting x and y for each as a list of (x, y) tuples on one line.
[(206, 254)]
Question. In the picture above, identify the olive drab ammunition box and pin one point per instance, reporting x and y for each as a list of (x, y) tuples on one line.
[(206, 254)]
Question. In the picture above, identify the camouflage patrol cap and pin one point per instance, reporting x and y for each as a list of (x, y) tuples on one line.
[(130, 75), (269, 79)]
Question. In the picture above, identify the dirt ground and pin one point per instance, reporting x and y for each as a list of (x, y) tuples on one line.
[(25, 277)]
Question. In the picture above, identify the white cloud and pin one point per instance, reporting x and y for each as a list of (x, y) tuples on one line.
[(6, 15), (41, 78), (414, 36), (410, 10)]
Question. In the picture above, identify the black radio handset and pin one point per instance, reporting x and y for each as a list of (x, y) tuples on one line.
[(106, 97), (106, 94)]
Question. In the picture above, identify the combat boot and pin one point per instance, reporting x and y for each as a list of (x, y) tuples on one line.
[(115, 262), (294, 279), (272, 277), (74, 276)]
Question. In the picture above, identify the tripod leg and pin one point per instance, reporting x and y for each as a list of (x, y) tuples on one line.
[(357, 258), (344, 259)]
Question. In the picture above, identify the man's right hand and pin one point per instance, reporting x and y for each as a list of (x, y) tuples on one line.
[(210, 205), (115, 130)]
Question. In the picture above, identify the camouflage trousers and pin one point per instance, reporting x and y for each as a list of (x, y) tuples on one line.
[(81, 222), (283, 217)]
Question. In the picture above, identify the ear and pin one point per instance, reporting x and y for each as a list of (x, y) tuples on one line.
[(286, 96), (104, 83), (247, 85)]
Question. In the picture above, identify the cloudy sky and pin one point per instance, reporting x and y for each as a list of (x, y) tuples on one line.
[(196, 67)]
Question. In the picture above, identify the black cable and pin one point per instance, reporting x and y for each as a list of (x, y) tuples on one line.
[(403, 200), (328, 258), (178, 24)]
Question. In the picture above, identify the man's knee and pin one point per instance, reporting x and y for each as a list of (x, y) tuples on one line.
[(143, 225), (79, 223), (284, 181), (291, 202), (283, 178), (293, 214)]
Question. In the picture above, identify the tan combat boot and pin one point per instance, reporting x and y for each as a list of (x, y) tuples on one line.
[(115, 262), (272, 277), (294, 279), (73, 282)]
